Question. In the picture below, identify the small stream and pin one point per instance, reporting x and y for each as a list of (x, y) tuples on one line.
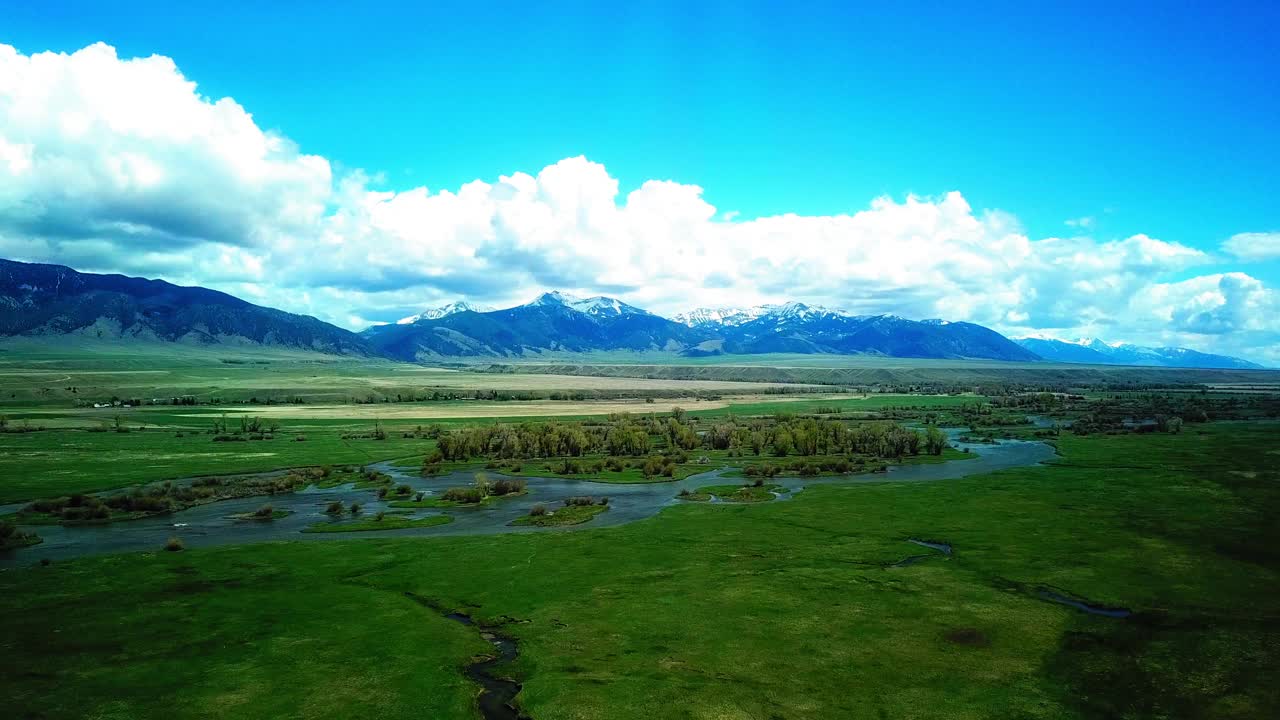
[(1111, 612), (497, 694), (211, 525)]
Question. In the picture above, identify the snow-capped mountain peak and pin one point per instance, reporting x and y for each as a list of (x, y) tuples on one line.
[(1095, 350), (443, 311), (728, 316), (732, 316), (598, 306)]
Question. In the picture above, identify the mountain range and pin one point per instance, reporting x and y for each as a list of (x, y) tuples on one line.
[(1098, 352), (56, 300), (43, 300)]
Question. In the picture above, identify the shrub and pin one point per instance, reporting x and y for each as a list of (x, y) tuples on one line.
[(604, 501), (580, 500), (335, 508), (174, 544), (299, 438), (265, 511), (507, 487), (379, 516), (7, 530), (463, 495), (355, 508), (403, 489), (538, 510), (684, 493), (418, 497)]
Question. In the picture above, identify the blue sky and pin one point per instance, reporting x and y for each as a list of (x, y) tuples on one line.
[(1161, 121), (1154, 122)]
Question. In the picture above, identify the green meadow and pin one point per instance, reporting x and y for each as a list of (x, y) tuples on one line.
[(785, 610)]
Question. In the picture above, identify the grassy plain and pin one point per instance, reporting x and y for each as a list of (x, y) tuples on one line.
[(40, 372), (775, 610)]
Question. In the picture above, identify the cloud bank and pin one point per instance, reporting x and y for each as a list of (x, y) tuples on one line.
[(120, 164)]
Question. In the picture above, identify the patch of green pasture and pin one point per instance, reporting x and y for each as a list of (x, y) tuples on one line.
[(368, 524), (437, 502), (62, 462), (734, 493), (562, 515)]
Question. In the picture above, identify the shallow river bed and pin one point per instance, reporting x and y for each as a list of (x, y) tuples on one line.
[(208, 525)]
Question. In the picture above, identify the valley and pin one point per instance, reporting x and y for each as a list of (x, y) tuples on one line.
[(747, 508)]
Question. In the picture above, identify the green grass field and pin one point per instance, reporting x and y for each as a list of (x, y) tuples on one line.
[(772, 610)]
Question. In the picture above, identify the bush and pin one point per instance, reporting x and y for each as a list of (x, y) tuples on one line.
[(604, 501), (379, 516), (403, 489), (265, 511), (538, 510), (463, 495), (507, 487), (174, 544), (684, 493), (355, 508), (580, 500), (758, 482), (335, 508)]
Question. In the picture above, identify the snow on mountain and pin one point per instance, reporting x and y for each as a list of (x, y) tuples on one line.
[(1094, 350), (733, 317), (443, 311), (598, 306), (718, 316)]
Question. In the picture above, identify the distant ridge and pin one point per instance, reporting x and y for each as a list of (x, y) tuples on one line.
[(40, 300), (1099, 352)]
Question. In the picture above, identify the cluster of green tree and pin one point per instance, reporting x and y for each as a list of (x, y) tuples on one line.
[(248, 428), (823, 436), (1166, 411), (542, 440), (623, 435), (807, 468)]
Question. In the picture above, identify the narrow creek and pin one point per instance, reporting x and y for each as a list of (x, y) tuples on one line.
[(1040, 593), (497, 694), (910, 560), (1111, 612)]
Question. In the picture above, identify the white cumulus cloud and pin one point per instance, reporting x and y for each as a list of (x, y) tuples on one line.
[(1256, 246)]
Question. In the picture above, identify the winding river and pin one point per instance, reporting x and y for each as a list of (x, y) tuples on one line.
[(209, 525)]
